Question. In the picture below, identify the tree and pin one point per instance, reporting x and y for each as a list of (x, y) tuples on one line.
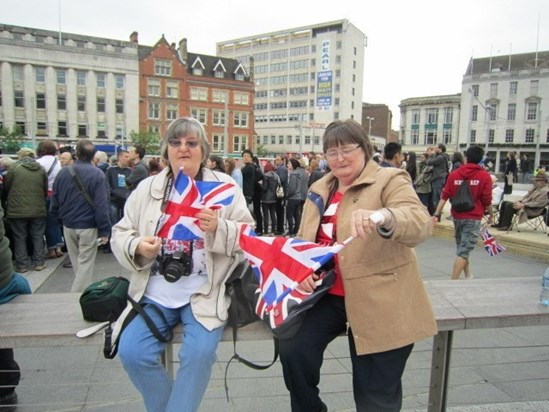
[(11, 141), (261, 151), (148, 140)]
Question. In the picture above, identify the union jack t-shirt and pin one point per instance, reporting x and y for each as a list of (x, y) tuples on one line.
[(326, 235)]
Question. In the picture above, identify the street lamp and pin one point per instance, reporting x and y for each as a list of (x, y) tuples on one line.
[(369, 125)]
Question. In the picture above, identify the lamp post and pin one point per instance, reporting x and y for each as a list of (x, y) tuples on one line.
[(369, 125)]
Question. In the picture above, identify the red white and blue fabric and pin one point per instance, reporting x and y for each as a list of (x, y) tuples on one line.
[(281, 264), (187, 198), (491, 244)]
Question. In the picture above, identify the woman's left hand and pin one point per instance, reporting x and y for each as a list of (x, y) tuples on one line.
[(208, 220), (364, 222)]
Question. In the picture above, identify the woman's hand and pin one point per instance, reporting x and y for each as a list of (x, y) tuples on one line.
[(208, 220), (149, 247), (309, 285), (364, 222)]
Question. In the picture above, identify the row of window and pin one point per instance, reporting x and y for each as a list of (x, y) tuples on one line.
[(288, 140), (240, 119), (218, 96), (432, 115), (290, 117), (529, 136), (513, 88), (293, 104), (292, 78), (61, 76), (430, 137), (492, 111), (163, 67), (41, 102), (292, 91), (63, 129)]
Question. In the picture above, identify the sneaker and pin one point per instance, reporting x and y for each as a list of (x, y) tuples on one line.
[(39, 268), (8, 403), (21, 270), (471, 276)]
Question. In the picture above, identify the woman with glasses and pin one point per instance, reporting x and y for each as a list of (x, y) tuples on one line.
[(378, 292), (178, 281)]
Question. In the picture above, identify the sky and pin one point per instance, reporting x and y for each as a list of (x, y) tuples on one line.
[(414, 48)]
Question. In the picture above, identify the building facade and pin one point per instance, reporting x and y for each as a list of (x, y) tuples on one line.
[(377, 120), (427, 121), (64, 86), (305, 78), (505, 107), (216, 91)]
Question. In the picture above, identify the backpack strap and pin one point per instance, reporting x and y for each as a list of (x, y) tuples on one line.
[(80, 186)]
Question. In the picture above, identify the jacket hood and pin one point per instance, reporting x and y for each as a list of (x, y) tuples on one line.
[(30, 164), (468, 170)]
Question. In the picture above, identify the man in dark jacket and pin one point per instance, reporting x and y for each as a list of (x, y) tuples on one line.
[(140, 169), (84, 214), (26, 186), (439, 161), (282, 171), (467, 223), (116, 179)]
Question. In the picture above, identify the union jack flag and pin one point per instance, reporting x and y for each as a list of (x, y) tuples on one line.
[(281, 264), (186, 199), (491, 244)]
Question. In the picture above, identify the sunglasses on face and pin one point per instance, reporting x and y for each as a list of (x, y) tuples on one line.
[(189, 144)]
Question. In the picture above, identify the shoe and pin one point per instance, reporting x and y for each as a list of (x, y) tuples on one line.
[(495, 225), (68, 265), (51, 254), (58, 252), (21, 270), (8, 403), (107, 250), (39, 268), (471, 276), (503, 228)]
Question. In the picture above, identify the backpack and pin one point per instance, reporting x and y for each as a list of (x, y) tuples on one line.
[(463, 200)]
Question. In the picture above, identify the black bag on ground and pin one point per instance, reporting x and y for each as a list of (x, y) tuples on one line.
[(463, 200), (105, 300)]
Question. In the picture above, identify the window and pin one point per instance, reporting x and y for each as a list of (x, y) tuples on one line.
[(199, 93), (534, 85), (513, 88), (432, 117), (218, 118), (119, 105), (119, 80), (62, 129), (448, 115), (430, 137), (81, 103), (239, 76), (532, 111), (18, 73), (40, 74), (101, 104), (198, 71), (241, 98), (219, 74), (280, 139), (163, 67), (474, 89), (20, 126), (415, 116), (338, 44), (119, 131), (82, 130), (288, 139), (171, 111), (240, 119), (493, 89), (218, 143), (61, 76), (172, 90), (40, 100), (473, 136), (414, 137), (491, 135), (101, 80), (529, 135), (18, 98), (219, 96), (447, 136), (474, 113), (492, 111), (101, 133), (199, 114), (153, 88), (509, 135), (61, 102), (41, 129), (511, 111), (154, 110), (265, 140), (240, 143), (80, 78)]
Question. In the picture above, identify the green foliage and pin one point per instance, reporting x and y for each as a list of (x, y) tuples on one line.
[(261, 151), (148, 140), (11, 141)]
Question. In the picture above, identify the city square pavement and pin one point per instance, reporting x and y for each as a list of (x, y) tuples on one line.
[(492, 370)]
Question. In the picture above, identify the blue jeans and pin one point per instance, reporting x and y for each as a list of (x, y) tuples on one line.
[(117, 213), (54, 238), (140, 354), (437, 186)]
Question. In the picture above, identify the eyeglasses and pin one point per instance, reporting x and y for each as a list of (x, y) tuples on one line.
[(346, 151), (189, 144)]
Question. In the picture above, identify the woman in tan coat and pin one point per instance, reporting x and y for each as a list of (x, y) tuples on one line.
[(378, 290)]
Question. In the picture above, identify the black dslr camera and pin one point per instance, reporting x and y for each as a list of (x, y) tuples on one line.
[(172, 267)]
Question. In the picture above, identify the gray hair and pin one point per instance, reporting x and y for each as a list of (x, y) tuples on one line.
[(185, 126)]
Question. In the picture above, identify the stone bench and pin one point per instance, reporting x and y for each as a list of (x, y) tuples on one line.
[(51, 320)]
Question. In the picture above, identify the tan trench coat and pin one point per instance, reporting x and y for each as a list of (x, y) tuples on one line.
[(386, 303)]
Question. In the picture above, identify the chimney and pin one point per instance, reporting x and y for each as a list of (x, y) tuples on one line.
[(134, 37), (183, 54)]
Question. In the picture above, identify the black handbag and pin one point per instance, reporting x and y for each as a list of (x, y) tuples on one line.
[(241, 287)]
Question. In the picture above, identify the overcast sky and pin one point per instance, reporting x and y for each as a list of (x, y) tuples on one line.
[(415, 48)]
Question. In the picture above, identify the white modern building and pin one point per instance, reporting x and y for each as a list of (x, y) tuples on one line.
[(505, 106), (305, 78), (65, 86)]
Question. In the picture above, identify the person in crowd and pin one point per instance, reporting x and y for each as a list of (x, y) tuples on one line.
[(233, 171), (510, 173), (66, 159), (422, 184), (392, 155), (83, 214), (525, 168), (293, 197), (26, 190), (385, 318), (315, 172), (497, 192), (467, 223), (140, 169), (282, 171), (216, 163), (197, 299), (439, 160), (304, 183), (11, 285), (248, 177), (268, 198), (457, 160), (155, 166), (47, 158), (256, 198), (322, 163), (530, 205), (411, 165), (101, 160)]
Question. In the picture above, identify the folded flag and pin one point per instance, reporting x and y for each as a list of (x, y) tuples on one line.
[(187, 198), (491, 244)]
